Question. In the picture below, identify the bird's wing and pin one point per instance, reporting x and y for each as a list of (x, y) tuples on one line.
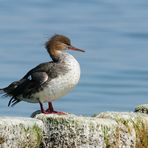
[(45, 72), (39, 77)]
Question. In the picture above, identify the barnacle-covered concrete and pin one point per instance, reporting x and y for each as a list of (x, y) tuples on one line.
[(105, 130), (143, 108), (108, 129), (133, 128), (17, 132), (70, 131)]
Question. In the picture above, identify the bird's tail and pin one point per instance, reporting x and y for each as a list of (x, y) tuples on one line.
[(11, 92), (9, 89)]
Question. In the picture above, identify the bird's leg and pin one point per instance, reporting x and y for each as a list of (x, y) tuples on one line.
[(51, 110), (41, 106), (48, 111)]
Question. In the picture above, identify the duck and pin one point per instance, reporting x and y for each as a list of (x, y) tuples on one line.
[(47, 81)]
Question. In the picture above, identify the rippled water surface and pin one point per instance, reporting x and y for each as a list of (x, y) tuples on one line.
[(114, 34)]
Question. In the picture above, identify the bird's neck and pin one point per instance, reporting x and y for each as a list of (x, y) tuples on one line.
[(62, 57)]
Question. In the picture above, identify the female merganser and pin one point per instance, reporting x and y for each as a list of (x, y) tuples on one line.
[(47, 81)]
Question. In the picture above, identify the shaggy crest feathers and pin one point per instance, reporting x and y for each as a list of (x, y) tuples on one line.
[(57, 38)]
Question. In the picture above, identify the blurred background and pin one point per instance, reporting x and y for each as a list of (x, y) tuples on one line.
[(114, 34)]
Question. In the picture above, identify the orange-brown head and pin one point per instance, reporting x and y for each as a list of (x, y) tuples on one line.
[(57, 44)]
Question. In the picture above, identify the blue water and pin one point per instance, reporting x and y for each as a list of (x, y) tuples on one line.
[(114, 34)]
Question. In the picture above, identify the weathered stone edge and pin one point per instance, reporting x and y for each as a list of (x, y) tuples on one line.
[(106, 129)]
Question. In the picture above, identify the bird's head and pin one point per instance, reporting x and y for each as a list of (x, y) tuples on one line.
[(58, 44)]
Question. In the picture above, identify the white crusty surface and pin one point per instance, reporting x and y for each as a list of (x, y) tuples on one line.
[(20, 132)]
